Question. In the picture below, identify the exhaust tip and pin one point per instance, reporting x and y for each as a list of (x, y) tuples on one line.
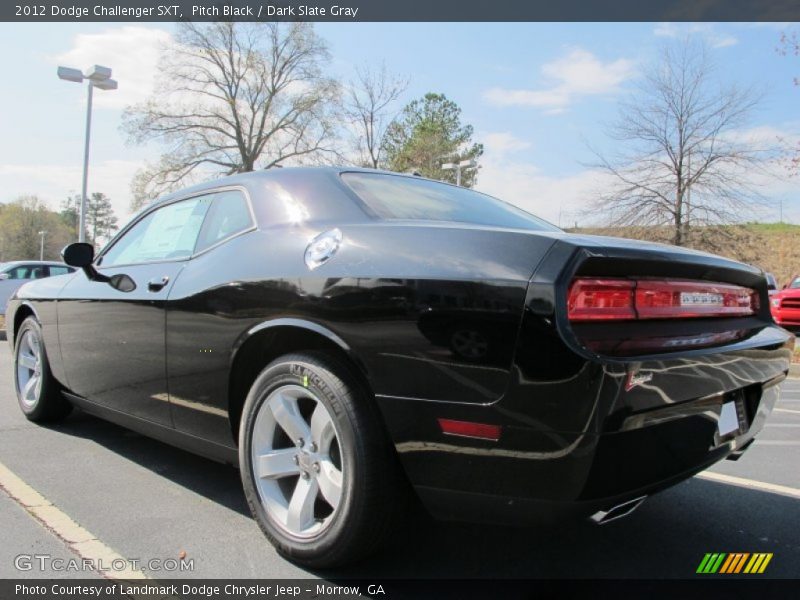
[(601, 517)]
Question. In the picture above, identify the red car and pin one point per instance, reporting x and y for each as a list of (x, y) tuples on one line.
[(785, 305)]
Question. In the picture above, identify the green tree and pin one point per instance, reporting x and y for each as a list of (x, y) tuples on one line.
[(101, 222), (20, 224), (428, 133)]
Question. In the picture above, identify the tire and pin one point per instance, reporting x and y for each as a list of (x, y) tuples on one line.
[(38, 393), (290, 395)]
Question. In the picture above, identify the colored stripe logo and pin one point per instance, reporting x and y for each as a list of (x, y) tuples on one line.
[(734, 562)]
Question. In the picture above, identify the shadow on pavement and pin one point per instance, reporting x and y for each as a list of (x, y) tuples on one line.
[(667, 537)]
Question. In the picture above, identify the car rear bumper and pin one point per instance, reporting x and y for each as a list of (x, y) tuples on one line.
[(586, 442)]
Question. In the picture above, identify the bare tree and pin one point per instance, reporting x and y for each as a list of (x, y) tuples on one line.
[(790, 46), (233, 97), (368, 106), (683, 159)]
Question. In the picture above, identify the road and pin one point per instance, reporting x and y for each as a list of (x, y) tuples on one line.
[(146, 500)]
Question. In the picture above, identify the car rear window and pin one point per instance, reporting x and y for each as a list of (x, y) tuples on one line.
[(397, 197)]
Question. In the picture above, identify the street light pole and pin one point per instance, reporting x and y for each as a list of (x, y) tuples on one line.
[(84, 185), (457, 167), (41, 249), (98, 77)]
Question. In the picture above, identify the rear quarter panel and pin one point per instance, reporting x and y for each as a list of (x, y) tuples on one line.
[(393, 293)]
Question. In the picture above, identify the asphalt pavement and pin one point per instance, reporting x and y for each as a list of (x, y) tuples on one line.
[(146, 500)]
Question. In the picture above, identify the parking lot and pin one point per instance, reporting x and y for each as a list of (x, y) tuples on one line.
[(146, 500)]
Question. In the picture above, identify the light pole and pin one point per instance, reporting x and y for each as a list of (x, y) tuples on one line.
[(98, 77), (41, 248), (458, 167)]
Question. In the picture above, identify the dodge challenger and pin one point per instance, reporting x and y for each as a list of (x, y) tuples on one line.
[(350, 339)]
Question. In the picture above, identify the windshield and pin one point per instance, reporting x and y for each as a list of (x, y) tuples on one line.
[(393, 197), (795, 284)]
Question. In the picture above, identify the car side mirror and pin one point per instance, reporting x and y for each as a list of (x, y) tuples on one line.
[(122, 282), (81, 255), (3, 276)]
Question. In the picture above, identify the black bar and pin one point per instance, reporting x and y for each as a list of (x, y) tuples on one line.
[(399, 10), (707, 587)]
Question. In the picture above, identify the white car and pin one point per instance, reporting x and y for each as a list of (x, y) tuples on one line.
[(14, 274)]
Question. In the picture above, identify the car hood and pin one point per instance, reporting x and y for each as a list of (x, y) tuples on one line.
[(789, 293)]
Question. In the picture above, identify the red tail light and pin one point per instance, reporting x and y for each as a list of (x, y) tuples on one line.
[(629, 299)]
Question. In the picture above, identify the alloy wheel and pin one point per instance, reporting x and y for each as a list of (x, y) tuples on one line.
[(297, 462), (29, 368)]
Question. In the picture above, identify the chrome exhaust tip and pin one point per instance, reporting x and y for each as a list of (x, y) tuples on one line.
[(601, 517)]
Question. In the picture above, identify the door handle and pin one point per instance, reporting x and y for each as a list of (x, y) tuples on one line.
[(157, 284)]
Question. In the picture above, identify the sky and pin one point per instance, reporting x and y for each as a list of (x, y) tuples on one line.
[(538, 95)]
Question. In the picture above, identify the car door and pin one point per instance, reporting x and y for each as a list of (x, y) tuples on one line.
[(111, 333), (204, 319)]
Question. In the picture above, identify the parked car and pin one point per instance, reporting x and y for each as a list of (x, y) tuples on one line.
[(785, 304), (14, 274), (303, 324)]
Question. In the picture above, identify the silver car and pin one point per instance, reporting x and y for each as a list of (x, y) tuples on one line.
[(15, 274)]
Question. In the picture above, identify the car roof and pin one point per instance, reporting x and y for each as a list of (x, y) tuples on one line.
[(14, 263), (277, 174)]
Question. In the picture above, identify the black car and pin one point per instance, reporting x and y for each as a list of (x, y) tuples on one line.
[(348, 336)]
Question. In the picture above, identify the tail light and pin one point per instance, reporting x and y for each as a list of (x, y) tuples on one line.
[(631, 299)]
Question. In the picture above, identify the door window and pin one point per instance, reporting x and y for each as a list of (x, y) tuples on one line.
[(229, 214), (167, 233), (60, 271)]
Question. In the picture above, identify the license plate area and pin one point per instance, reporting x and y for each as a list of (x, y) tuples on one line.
[(693, 299), (728, 419), (733, 417)]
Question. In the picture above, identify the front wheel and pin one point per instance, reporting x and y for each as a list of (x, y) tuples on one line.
[(38, 393), (319, 473)]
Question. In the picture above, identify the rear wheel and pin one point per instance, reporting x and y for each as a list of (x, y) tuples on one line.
[(38, 393), (319, 473)]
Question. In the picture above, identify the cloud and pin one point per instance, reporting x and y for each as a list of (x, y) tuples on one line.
[(706, 30), (501, 143), (579, 73), (132, 52), (53, 183), (559, 199)]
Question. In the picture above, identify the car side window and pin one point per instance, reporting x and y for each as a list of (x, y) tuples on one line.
[(24, 272), (167, 233), (59, 271), (228, 215)]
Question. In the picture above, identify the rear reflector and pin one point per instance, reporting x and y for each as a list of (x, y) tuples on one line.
[(468, 429), (629, 299)]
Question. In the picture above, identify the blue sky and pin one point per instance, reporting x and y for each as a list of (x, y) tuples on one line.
[(536, 94)]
